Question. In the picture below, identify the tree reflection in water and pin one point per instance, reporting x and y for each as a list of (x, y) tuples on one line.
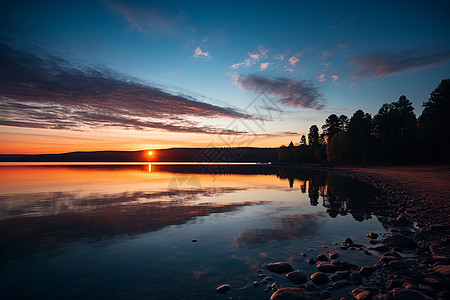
[(340, 195)]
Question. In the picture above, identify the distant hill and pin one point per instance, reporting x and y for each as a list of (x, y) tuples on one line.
[(246, 154)]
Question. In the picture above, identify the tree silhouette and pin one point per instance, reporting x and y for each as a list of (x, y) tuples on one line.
[(435, 125), (338, 148), (313, 135), (331, 127), (343, 122), (303, 140), (360, 128), (394, 135), (334, 124), (395, 128)]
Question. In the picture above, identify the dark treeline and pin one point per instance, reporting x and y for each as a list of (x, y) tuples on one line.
[(393, 136)]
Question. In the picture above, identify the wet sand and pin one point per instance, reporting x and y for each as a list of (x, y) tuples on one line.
[(425, 187)]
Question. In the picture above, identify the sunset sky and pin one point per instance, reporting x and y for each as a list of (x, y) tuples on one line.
[(130, 75)]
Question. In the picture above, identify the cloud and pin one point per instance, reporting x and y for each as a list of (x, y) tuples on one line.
[(321, 78), (293, 93), (263, 51), (264, 66), (198, 53), (279, 57), (335, 77), (388, 63), (247, 62), (47, 92), (293, 60), (252, 58), (148, 18)]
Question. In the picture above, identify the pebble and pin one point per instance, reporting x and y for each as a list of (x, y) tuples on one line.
[(311, 261), (387, 259), (326, 267), (322, 257), (342, 283), (279, 267), (401, 241), (443, 270), (393, 283), (372, 235), (223, 288), (274, 286), (362, 294), (333, 255), (297, 277), (367, 270), (356, 277), (319, 278), (348, 241), (336, 277), (343, 274)]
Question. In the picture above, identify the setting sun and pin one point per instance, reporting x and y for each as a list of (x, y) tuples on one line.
[(150, 153)]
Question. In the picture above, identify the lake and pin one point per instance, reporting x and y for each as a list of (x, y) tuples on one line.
[(171, 231)]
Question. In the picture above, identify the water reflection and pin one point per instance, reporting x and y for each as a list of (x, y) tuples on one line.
[(291, 227), (339, 195), (109, 229), (49, 205)]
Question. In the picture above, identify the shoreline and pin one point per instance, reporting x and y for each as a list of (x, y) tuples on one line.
[(415, 261)]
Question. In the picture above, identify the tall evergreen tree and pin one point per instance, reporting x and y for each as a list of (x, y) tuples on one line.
[(435, 125), (331, 127), (303, 140), (313, 135), (395, 129), (360, 128)]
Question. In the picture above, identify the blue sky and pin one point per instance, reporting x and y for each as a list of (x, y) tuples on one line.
[(154, 74)]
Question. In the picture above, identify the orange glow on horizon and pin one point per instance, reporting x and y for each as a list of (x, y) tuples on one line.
[(16, 140)]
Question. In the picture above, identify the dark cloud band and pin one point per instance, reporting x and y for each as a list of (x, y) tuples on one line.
[(388, 63), (47, 92), (292, 93)]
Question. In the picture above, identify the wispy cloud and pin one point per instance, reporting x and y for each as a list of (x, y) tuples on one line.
[(293, 60), (264, 66), (388, 63), (148, 17), (293, 93), (46, 92), (280, 57), (321, 77), (253, 58), (198, 53)]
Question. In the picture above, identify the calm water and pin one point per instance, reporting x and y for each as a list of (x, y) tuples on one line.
[(125, 231)]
